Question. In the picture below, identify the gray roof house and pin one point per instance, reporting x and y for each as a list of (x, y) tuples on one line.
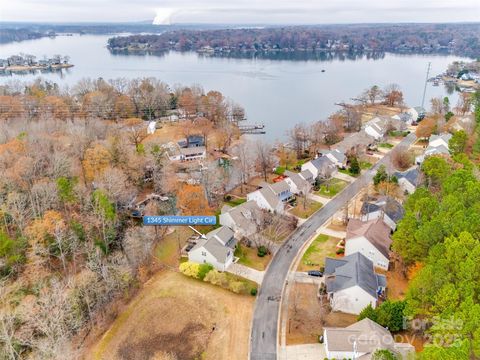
[(337, 157), (321, 167), (216, 248), (298, 185), (437, 145), (357, 143), (352, 283), (360, 341), (242, 219), (386, 208), (271, 197), (409, 180)]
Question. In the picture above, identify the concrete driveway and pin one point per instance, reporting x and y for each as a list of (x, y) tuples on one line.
[(246, 272), (303, 352)]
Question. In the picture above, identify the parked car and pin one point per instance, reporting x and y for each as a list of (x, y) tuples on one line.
[(315, 273)]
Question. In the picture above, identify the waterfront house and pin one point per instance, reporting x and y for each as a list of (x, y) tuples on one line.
[(337, 157), (216, 248), (371, 239), (376, 128), (272, 197), (357, 143), (321, 167), (386, 208), (408, 180), (352, 284), (242, 219), (360, 341), (297, 183), (176, 153), (192, 141)]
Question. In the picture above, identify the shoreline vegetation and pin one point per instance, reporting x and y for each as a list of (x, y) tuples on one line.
[(29, 63), (21, 68), (375, 38)]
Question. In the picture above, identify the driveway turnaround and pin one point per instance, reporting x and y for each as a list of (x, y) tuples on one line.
[(263, 338)]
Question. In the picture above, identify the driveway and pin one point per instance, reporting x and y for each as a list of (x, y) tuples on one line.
[(303, 277), (246, 272), (303, 352), (264, 335)]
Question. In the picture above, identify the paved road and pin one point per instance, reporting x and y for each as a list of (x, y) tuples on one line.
[(263, 337)]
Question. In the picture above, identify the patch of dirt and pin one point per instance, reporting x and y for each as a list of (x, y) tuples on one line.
[(308, 315), (174, 317)]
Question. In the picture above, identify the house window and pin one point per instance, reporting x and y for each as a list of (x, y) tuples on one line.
[(204, 253)]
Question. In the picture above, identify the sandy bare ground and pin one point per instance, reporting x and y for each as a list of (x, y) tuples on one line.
[(175, 317)]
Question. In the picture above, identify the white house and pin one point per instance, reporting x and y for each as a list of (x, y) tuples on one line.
[(176, 153), (267, 199), (386, 208), (408, 180), (321, 167), (352, 283), (376, 128), (297, 183), (216, 249), (337, 157), (360, 341), (437, 145), (371, 239), (242, 219)]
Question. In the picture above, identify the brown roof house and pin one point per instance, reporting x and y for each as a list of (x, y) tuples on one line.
[(361, 340), (371, 239)]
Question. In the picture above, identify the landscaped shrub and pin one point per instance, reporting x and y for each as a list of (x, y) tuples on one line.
[(215, 277), (253, 291), (190, 269), (262, 251), (340, 251), (237, 287), (203, 270)]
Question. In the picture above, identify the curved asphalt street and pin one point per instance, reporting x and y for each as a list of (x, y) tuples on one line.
[(263, 337)]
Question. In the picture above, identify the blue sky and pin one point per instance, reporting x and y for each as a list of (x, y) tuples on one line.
[(242, 11)]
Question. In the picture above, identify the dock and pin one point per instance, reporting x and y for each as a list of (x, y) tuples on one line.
[(252, 129)]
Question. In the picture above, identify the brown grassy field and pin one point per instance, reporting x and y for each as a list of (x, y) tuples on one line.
[(175, 317)]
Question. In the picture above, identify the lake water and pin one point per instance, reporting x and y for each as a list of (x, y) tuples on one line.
[(277, 93)]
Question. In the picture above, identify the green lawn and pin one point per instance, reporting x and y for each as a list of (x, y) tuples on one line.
[(347, 172), (279, 170), (311, 207), (332, 188), (314, 256), (365, 165), (234, 201), (248, 257), (386, 145), (168, 248)]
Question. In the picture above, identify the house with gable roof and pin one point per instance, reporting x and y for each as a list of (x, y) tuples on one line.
[(352, 284)]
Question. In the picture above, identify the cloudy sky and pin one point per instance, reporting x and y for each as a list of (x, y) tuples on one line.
[(241, 11)]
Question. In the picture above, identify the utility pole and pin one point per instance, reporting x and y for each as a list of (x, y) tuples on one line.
[(425, 86)]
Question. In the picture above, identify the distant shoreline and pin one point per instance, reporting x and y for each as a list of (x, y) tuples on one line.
[(20, 68)]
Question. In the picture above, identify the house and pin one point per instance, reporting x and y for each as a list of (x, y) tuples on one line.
[(216, 248), (337, 157), (386, 208), (352, 283), (408, 180), (376, 128), (176, 153), (267, 199), (404, 117), (357, 143), (297, 183), (371, 239), (417, 113), (321, 167), (308, 176), (192, 141), (360, 341), (242, 219), (437, 145)]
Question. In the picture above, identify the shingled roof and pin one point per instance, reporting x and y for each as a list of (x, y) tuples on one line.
[(375, 231), (351, 270)]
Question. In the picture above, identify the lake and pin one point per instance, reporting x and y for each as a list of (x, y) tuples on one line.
[(277, 93)]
